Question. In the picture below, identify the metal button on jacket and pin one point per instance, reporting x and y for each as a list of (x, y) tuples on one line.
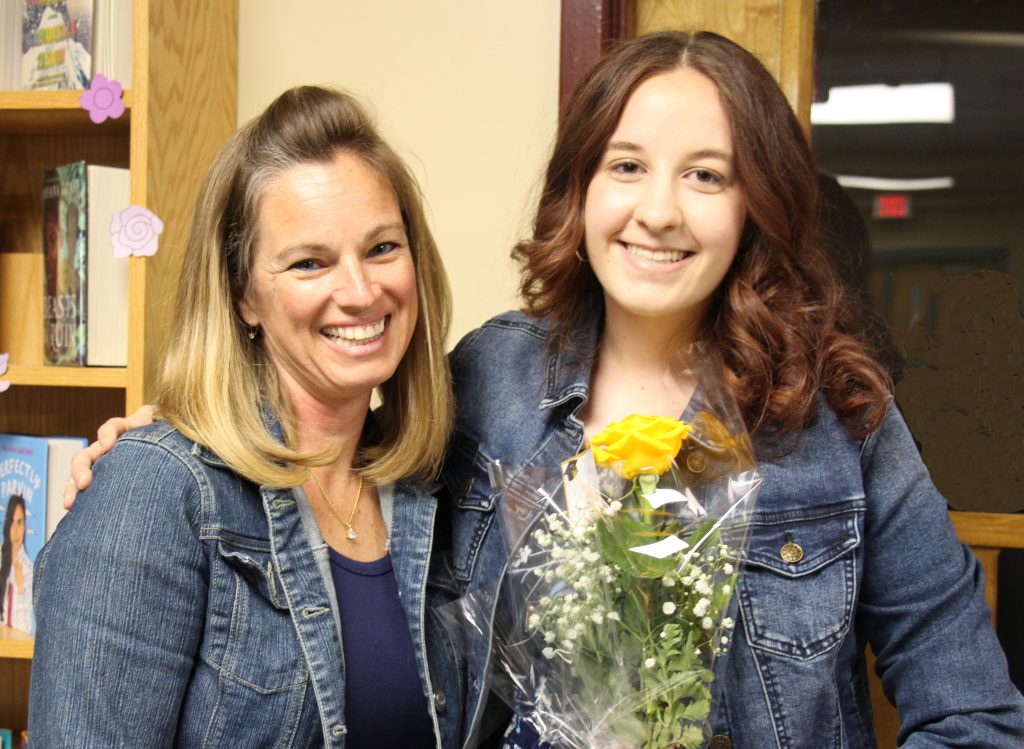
[(791, 553), (720, 741), (440, 703), (697, 462)]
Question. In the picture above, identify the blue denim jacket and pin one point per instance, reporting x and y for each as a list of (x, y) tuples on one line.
[(179, 605), (881, 565)]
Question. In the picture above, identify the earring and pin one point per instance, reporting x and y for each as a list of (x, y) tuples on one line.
[(253, 330)]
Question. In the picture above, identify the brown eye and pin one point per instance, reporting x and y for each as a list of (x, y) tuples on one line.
[(627, 167)]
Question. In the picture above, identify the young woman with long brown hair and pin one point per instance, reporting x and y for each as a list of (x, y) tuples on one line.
[(679, 207)]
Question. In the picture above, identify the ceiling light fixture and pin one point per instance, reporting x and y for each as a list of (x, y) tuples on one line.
[(886, 184), (878, 104)]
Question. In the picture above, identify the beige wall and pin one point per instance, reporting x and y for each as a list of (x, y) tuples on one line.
[(467, 91)]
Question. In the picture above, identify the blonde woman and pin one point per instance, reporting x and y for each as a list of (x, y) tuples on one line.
[(253, 569)]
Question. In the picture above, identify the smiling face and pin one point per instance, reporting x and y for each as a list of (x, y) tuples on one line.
[(664, 213), (333, 285)]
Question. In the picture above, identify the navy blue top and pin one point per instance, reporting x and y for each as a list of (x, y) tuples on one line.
[(384, 701)]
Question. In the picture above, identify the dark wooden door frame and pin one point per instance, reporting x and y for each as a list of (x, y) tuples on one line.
[(588, 28)]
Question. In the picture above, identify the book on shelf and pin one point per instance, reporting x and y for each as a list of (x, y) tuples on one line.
[(33, 472), (56, 44), (61, 44), (85, 288), (13, 739), (112, 40), (10, 47)]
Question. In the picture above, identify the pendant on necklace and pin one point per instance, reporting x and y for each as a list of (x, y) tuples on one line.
[(351, 535)]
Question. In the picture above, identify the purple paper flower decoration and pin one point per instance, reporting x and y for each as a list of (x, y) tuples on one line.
[(102, 99), (134, 231), (4, 384)]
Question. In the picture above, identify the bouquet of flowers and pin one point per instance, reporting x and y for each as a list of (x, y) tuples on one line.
[(617, 594)]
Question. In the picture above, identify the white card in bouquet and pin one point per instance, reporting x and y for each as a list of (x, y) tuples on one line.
[(666, 547)]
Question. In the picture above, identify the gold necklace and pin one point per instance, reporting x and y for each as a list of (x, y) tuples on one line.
[(351, 532)]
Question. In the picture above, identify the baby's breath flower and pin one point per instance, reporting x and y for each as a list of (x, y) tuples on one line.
[(548, 653), (727, 568), (614, 616), (597, 617), (725, 640), (668, 608), (650, 663), (701, 607), (702, 587), (668, 581), (549, 637), (726, 589), (728, 623), (707, 622)]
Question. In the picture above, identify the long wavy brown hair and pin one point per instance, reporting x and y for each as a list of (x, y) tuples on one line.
[(784, 325)]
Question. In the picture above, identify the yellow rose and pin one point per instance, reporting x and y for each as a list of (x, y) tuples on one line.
[(639, 444)]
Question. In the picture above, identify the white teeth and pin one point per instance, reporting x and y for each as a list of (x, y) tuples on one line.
[(658, 256), (356, 334)]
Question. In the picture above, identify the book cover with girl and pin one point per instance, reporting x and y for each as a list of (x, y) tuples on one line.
[(23, 509)]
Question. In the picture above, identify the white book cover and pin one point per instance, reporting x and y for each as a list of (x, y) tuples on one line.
[(58, 469), (112, 41), (106, 323)]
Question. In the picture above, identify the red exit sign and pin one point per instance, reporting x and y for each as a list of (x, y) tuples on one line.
[(891, 205)]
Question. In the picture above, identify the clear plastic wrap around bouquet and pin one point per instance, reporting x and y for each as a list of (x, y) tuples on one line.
[(623, 563)]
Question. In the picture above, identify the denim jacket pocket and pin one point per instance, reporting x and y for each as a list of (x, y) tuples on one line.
[(259, 649), (797, 591), (466, 479)]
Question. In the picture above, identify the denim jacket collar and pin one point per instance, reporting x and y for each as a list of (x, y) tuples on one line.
[(568, 370)]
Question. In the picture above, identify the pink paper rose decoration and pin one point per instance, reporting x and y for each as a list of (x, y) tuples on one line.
[(102, 99), (4, 384), (134, 231)]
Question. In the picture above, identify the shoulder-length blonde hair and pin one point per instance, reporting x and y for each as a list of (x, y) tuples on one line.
[(782, 321), (216, 384)]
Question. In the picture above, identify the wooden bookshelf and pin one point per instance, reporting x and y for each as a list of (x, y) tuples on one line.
[(15, 644), (55, 113), (71, 377), (181, 107)]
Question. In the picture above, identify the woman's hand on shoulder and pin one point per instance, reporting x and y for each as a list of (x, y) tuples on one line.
[(106, 436)]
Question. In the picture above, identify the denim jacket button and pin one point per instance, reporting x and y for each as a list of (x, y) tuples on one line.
[(697, 462), (791, 553), (339, 730), (440, 703), (720, 741)]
